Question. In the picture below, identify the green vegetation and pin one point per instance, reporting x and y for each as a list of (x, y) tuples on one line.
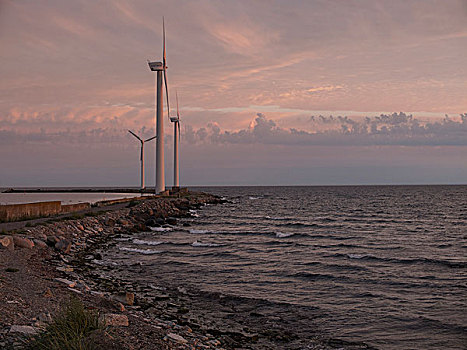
[(74, 328)]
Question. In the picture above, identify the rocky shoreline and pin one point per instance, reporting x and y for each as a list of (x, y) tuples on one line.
[(41, 267)]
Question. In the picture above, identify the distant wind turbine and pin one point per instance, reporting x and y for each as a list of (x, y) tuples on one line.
[(176, 121), (142, 155)]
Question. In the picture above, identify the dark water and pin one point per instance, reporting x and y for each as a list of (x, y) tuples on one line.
[(383, 264)]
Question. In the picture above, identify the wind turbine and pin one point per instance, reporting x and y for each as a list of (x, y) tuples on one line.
[(142, 155), (176, 121), (160, 67)]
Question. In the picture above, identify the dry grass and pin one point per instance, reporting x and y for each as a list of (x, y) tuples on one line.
[(72, 329)]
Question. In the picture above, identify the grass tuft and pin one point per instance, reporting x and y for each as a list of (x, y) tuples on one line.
[(71, 329)]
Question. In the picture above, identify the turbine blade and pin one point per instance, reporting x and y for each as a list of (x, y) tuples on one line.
[(131, 132), (163, 40), (176, 96), (151, 138), (179, 133), (166, 93), (164, 63)]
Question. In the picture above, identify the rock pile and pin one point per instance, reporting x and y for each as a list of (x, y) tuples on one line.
[(66, 244)]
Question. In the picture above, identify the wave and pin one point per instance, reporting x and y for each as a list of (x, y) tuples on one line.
[(123, 239), (143, 242), (318, 276), (193, 213), (360, 256), (283, 234), (201, 244), (447, 263), (296, 224), (276, 218), (200, 231), (161, 229), (278, 234), (140, 251)]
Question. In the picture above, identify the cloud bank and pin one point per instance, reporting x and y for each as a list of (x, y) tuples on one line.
[(386, 129)]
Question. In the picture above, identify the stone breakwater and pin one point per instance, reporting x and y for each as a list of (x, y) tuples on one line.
[(73, 236), (42, 266)]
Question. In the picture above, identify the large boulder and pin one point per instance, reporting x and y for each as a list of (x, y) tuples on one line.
[(110, 222), (7, 242), (115, 320), (52, 240), (176, 338), (171, 221), (126, 298), (23, 242), (64, 245), (26, 330), (39, 243)]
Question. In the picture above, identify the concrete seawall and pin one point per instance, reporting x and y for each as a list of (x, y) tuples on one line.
[(71, 208), (26, 211), (16, 212)]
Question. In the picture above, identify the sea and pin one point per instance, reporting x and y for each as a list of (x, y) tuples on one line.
[(384, 265)]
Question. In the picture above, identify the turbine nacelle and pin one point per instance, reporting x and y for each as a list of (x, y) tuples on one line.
[(174, 119), (156, 66)]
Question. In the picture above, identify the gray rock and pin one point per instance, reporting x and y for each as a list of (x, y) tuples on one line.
[(115, 320), (171, 221), (51, 240), (63, 245), (67, 282), (123, 222), (39, 243), (42, 236), (45, 317), (110, 222), (126, 298), (23, 329), (23, 242), (177, 338)]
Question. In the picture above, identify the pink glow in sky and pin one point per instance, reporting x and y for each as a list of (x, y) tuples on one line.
[(253, 79)]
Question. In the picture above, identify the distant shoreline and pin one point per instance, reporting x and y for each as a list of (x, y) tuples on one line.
[(118, 189)]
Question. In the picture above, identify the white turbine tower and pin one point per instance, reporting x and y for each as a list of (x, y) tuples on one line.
[(142, 155), (176, 121), (160, 67)]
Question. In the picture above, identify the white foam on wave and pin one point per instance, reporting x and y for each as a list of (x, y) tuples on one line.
[(276, 218), (358, 256), (161, 229), (252, 198), (143, 242), (284, 234), (201, 244), (141, 251), (193, 213), (199, 231)]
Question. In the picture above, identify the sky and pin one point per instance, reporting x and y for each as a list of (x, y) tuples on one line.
[(311, 92)]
